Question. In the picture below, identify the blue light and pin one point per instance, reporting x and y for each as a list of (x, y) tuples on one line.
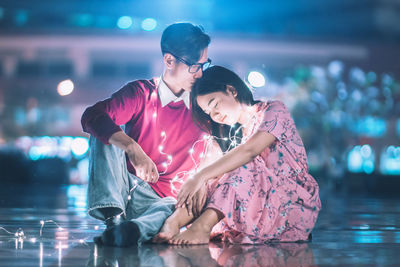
[(354, 160), (77, 197), (34, 153), (124, 22), (390, 161), (367, 236), (361, 159), (369, 126), (149, 24), (82, 20), (21, 17), (368, 166)]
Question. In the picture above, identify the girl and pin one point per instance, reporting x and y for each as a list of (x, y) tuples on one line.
[(260, 189)]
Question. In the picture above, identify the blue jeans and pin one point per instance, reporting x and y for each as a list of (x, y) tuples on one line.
[(111, 185)]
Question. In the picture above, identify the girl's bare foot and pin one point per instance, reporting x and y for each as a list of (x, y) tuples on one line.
[(192, 236), (168, 231)]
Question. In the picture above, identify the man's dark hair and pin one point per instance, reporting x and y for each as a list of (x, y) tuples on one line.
[(184, 40)]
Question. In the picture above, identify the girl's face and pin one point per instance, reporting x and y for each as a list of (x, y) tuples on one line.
[(222, 107)]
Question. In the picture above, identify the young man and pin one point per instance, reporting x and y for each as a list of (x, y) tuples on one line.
[(131, 171)]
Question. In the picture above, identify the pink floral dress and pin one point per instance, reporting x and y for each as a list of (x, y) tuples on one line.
[(273, 197)]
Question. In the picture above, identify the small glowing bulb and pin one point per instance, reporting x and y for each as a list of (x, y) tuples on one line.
[(162, 133), (160, 148), (42, 222), (96, 227), (33, 240), (19, 233), (129, 197), (205, 136), (191, 151), (165, 164), (225, 139), (154, 114), (81, 241), (169, 157)]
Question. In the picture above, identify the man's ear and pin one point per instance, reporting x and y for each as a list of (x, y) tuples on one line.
[(169, 61), (231, 89)]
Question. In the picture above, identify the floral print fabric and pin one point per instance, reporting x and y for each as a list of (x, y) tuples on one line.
[(273, 197)]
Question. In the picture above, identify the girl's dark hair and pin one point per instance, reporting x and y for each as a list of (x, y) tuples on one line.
[(184, 40), (216, 79)]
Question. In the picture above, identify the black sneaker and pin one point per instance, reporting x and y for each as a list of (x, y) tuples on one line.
[(124, 234)]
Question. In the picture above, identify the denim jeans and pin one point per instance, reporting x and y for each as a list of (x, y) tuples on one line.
[(111, 185)]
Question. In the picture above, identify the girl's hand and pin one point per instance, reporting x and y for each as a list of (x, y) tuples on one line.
[(187, 191)]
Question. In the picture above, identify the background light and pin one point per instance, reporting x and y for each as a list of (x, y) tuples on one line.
[(361, 159), (124, 22), (79, 146), (149, 24), (65, 87), (256, 79)]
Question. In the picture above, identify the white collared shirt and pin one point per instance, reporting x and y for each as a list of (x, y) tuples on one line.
[(167, 96)]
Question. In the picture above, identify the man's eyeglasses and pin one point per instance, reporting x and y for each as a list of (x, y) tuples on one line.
[(193, 68)]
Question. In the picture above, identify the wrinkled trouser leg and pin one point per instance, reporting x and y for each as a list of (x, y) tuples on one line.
[(110, 185)]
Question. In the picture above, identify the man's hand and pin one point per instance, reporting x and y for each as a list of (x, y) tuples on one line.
[(144, 166)]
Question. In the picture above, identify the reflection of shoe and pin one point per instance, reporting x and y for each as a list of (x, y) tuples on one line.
[(125, 234)]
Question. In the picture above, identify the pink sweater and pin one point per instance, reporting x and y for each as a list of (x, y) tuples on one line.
[(166, 134)]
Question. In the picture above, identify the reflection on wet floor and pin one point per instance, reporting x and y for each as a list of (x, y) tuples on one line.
[(50, 228)]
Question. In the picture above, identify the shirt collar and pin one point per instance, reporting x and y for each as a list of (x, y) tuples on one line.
[(166, 95)]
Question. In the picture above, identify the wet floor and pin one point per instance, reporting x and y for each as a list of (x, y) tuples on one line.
[(48, 226)]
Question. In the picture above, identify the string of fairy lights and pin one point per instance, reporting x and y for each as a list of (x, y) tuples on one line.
[(207, 142)]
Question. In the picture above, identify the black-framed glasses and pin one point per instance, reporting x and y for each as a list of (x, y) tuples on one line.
[(193, 68)]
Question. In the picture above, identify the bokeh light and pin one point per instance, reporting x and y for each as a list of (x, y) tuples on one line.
[(256, 79), (125, 22), (65, 87), (361, 159), (79, 146), (149, 24)]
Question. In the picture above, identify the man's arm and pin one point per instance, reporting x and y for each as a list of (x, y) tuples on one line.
[(103, 121), (144, 166)]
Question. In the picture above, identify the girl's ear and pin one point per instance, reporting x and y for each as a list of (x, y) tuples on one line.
[(230, 89), (169, 61)]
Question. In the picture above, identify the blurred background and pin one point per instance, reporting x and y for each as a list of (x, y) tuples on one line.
[(334, 63)]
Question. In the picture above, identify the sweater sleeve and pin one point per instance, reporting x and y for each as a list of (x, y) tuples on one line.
[(104, 118)]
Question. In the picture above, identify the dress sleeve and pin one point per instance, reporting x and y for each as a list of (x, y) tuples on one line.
[(277, 120), (104, 118)]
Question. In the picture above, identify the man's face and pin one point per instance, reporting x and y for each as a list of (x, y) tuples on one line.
[(183, 77)]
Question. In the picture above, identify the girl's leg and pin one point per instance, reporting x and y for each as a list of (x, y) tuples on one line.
[(172, 224), (199, 232)]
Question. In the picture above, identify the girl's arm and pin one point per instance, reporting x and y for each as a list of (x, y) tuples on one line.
[(238, 156), (232, 160)]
